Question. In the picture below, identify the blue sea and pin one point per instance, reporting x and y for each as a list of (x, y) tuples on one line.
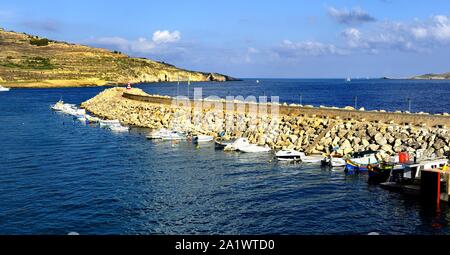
[(59, 175)]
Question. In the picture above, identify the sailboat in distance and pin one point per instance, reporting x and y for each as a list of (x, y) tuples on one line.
[(349, 79)]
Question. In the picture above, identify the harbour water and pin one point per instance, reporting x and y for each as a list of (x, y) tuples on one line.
[(60, 176)]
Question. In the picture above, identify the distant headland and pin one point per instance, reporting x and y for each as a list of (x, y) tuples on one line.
[(28, 61), (430, 76)]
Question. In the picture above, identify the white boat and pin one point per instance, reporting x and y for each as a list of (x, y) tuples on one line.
[(288, 155), (92, 118), (109, 123), (70, 109), (203, 138), (81, 118), (312, 159), (221, 144), (349, 79), (173, 136), (3, 89), (119, 128), (59, 106), (240, 142), (334, 161), (253, 148), (364, 158), (159, 134)]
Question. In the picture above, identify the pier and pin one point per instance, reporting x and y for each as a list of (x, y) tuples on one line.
[(440, 121), (314, 130)]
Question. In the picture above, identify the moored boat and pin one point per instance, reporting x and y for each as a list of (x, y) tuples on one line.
[(408, 179), (221, 144), (92, 119), (253, 148), (334, 161), (81, 118), (203, 138), (240, 142), (159, 134), (59, 106), (3, 89), (108, 123), (118, 128), (380, 173), (173, 136), (360, 161), (288, 155), (311, 159)]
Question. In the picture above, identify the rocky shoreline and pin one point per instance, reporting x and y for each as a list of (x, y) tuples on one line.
[(304, 133)]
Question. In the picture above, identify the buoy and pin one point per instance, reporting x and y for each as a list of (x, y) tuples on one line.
[(129, 86)]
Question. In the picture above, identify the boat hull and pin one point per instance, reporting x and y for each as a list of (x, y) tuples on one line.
[(380, 174), (352, 168), (289, 158)]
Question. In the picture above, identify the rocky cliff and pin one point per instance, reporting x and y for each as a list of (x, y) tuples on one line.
[(31, 61)]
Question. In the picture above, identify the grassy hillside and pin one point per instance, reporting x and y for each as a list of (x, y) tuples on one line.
[(30, 61)]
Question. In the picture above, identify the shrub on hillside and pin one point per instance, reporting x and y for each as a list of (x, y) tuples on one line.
[(39, 42)]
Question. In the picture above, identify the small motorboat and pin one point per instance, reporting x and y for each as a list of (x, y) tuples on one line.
[(360, 161), (364, 157), (333, 161), (59, 106), (109, 123), (118, 128), (288, 155), (159, 134), (203, 138), (253, 148), (379, 174), (3, 89), (311, 159), (352, 167), (92, 119), (221, 144), (81, 118), (173, 136), (236, 145)]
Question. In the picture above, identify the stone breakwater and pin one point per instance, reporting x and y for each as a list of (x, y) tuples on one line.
[(313, 134)]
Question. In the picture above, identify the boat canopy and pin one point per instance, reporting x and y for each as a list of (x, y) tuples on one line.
[(363, 153)]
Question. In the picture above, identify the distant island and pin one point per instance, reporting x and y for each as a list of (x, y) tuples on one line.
[(432, 76), (29, 61)]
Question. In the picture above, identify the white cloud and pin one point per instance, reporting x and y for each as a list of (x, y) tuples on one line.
[(439, 28), (248, 56), (419, 36), (166, 36), (350, 17), (291, 49), (353, 37), (159, 42)]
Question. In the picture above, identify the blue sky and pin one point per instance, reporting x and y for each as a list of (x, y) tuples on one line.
[(286, 39)]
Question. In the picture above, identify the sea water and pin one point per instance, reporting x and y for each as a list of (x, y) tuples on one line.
[(59, 175)]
